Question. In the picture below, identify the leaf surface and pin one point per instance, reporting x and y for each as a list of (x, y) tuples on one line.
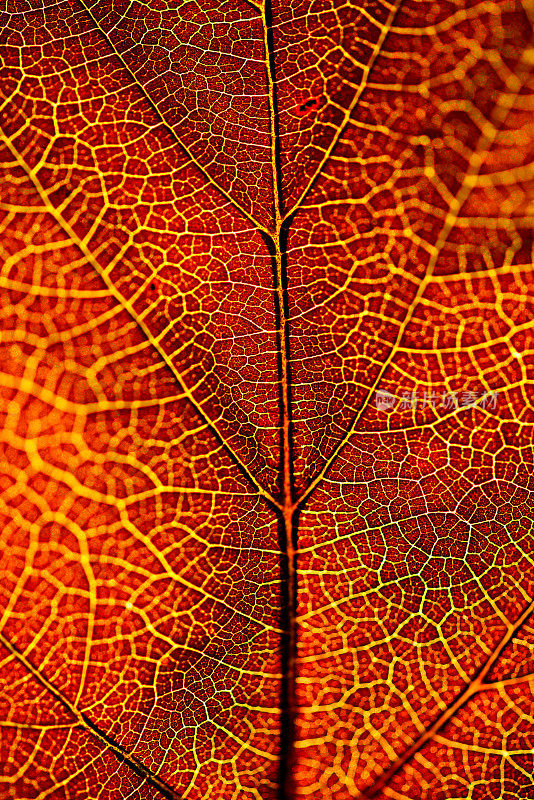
[(227, 570)]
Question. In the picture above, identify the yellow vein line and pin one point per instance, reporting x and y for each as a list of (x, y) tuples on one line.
[(129, 308)]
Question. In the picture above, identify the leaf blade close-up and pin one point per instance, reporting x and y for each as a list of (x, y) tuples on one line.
[(266, 419)]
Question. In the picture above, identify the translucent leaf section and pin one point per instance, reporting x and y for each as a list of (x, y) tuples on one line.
[(409, 261), (142, 584), (187, 264), (203, 66), (413, 367), (143, 572), (266, 462)]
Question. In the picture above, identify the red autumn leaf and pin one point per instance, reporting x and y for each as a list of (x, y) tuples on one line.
[(266, 364)]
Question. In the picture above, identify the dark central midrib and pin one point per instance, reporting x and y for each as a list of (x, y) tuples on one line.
[(287, 520), (287, 514)]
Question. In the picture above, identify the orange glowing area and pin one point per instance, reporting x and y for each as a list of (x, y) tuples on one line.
[(266, 400)]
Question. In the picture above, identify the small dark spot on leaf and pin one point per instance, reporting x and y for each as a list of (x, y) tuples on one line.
[(311, 104)]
